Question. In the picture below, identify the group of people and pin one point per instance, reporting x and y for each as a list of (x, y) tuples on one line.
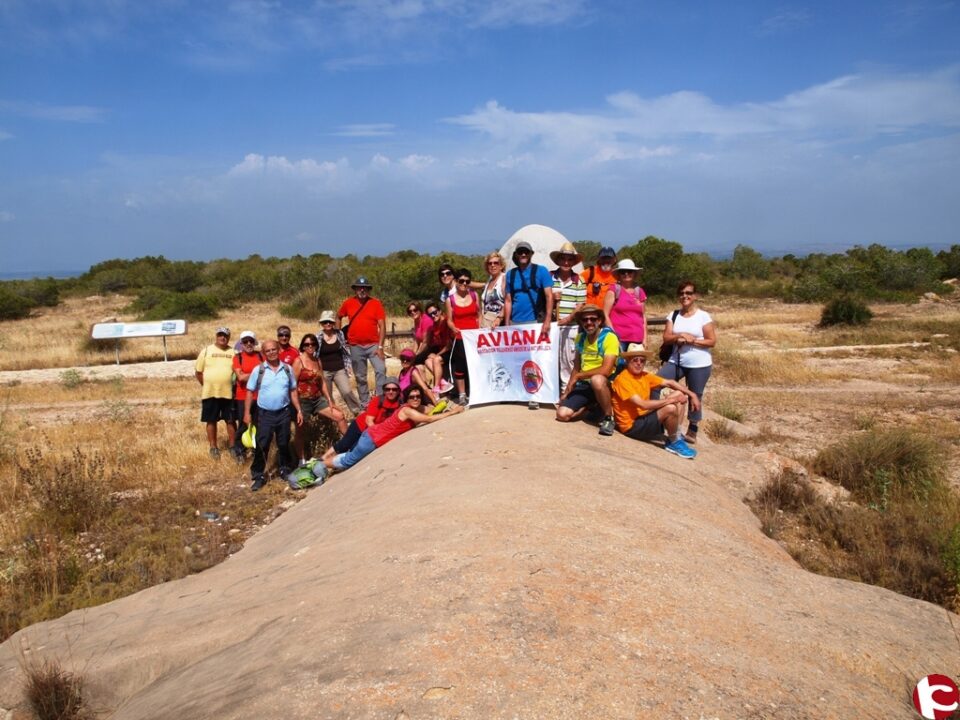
[(602, 323)]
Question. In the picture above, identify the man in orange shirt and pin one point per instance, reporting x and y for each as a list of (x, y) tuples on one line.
[(600, 277), (641, 418), (366, 333)]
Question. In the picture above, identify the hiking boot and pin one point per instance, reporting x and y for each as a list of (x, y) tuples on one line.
[(680, 448), (607, 426), (215, 453), (533, 405), (258, 483), (690, 437)]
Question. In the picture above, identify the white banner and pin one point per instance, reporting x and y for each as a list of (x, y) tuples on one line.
[(510, 364)]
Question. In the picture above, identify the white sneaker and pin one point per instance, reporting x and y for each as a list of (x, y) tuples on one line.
[(445, 387)]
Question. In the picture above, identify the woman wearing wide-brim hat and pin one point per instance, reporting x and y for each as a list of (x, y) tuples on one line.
[(624, 305)]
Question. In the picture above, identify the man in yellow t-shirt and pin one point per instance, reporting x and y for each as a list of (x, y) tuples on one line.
[(214, 372), (641, 418), (589, 384)]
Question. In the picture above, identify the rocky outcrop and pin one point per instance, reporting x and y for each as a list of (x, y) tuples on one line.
[(500, 564)]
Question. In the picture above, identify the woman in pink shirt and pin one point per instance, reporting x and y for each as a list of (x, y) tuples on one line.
[(624, 305)]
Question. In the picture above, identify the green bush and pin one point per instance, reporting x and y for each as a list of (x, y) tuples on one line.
[(12, 305), (845, 311), (157, 304), (71, 378)]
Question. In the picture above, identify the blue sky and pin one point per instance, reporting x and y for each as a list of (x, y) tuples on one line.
[(201, 129)]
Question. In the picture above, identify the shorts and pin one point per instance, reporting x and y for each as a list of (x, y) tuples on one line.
[(313, 406), (214, 409), (646, 427), (581, 396)]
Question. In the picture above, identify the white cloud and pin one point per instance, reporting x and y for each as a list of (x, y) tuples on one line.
[(365, 130), (785, 20), (254, 165), (416, 163), (63, 113)]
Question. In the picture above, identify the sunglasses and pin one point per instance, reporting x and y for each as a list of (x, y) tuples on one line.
[(391, 389), (590, 319), (309, 344), (493, 262), (463, 281), (686, 292), (283, 336), (248, 341), (445, 273), (568, 258), (434, 313), (411, 311)]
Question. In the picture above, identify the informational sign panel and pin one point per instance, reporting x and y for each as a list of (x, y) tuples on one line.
[(512, 364), (118, 331), (121, 331)]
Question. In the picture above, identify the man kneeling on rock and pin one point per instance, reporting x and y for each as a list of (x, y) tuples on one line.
[(642, 418)]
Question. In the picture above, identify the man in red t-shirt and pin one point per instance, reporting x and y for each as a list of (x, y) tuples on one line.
[(288, 353), (243, 364), (366, 333)]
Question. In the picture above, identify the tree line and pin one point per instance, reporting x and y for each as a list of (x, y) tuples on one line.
[(304, 285)]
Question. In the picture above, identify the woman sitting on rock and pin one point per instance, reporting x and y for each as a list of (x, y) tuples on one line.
[(410, 414)]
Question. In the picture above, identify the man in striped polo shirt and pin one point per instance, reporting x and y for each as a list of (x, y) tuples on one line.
[(569, 295)]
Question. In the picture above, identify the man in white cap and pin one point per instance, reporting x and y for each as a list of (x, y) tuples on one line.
[(642, 418), (214, 372), (569, 295), (366, 333)]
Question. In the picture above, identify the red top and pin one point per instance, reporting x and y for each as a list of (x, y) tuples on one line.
[(310, 383), (289, 355), (246, 362), (384, 432), (439, 335), (363, 328), (465, 317), (378, 409)]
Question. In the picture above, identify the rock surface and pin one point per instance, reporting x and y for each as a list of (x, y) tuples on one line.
[(501, 565)]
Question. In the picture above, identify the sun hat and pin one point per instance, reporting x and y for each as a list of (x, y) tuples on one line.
[(407, 354), (391, 381), (362, 282), (223, 331), (328, 316), (247, 334), (636, 350), (606, 252), (626, 264), (566, 249), (590, 309), (249, 437)]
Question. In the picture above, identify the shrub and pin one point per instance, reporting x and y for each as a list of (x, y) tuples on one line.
[(157, 304), (53, 693), (878, 464), (71, 493), (71, 378), (724, 406), (12, 305), (845, 310)]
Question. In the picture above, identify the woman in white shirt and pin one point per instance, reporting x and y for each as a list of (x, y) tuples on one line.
[(692, 333)]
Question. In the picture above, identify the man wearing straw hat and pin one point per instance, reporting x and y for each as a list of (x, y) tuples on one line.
[(366, 333), (569, 294), (589, 386), (642, 418)]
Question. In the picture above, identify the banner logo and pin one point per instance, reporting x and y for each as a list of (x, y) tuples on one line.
[(936, 697)]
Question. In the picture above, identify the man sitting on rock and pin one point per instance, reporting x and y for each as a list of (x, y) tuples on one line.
[(642, 418), (597, 350)]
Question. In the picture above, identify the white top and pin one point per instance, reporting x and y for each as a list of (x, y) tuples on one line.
[(691, 356)]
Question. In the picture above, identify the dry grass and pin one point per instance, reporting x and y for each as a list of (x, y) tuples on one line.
[(85, 522), (63, 333), (735, 367), (52, 692)]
